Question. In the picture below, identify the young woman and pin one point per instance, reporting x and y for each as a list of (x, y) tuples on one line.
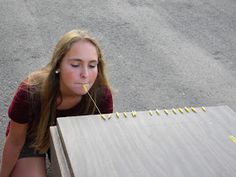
[(57, 90)]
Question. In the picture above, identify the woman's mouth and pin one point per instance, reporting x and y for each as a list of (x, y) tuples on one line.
[(84, 85)]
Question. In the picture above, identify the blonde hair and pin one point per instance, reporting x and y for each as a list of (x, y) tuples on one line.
[(46, 83)]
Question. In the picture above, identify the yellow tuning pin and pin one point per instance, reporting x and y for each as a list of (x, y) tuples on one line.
[(158, 112), (109, 116), (181, 111), (193, 109), (134, 113), (150, 113), (117, 115), (125, 114), (186, 109), (174, 111), (204, 109), (166, 111), (233, 139), (103, 117)]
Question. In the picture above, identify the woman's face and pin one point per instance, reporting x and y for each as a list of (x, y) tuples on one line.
[(78, 67)]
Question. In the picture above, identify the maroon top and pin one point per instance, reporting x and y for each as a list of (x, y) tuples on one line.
[(19, 109)]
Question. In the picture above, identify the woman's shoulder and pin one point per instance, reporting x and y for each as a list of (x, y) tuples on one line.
[(25, 91), (22, 90), (18, 109), (25, 88)]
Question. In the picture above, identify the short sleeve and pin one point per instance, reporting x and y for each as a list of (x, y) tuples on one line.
[(18, 110), (106, 105)]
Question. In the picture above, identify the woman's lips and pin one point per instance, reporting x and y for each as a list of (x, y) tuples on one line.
[(84, 85)]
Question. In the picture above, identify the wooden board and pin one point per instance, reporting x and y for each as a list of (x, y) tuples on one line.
[(188, 144), (59, 166)]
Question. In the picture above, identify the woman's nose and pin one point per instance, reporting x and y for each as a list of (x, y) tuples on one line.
[(84, 73)]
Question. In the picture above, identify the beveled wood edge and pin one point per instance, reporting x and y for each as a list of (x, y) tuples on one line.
[(58, 160), (198, 109)]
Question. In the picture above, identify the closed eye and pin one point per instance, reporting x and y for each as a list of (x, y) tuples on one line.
[(92, 66), (75, 66)]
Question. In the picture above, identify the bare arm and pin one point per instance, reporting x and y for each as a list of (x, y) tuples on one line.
[(12, 148)]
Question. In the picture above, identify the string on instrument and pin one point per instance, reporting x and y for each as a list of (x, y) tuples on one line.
[(86, 89)]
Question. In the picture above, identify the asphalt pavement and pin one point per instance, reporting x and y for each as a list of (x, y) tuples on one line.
[(159, 53)]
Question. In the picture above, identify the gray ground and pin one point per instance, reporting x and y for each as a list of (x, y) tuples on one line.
[(159, 53)]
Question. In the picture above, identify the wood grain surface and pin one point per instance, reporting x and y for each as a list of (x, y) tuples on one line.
[(174, 145), (59, 163)]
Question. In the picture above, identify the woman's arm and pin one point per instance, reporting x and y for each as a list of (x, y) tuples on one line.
[(12, 148)]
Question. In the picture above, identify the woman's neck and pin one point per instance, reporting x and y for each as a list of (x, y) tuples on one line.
[(67, 102)]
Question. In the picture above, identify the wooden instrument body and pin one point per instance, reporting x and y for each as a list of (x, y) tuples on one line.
[(195, 143)]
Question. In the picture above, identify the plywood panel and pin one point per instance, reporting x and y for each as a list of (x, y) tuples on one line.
[(59, 163), (188, 144)]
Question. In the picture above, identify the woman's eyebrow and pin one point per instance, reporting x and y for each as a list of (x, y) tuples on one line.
[(93, 61), (74, 59), (78, 59)]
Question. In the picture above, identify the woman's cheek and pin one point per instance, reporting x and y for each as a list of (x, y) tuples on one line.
[(69, 75), (94, 75)]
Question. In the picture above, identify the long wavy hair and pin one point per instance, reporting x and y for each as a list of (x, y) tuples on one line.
[(46, 90)]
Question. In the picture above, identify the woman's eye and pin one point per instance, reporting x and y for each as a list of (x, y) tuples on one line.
[(75, 66), (92, 66)]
